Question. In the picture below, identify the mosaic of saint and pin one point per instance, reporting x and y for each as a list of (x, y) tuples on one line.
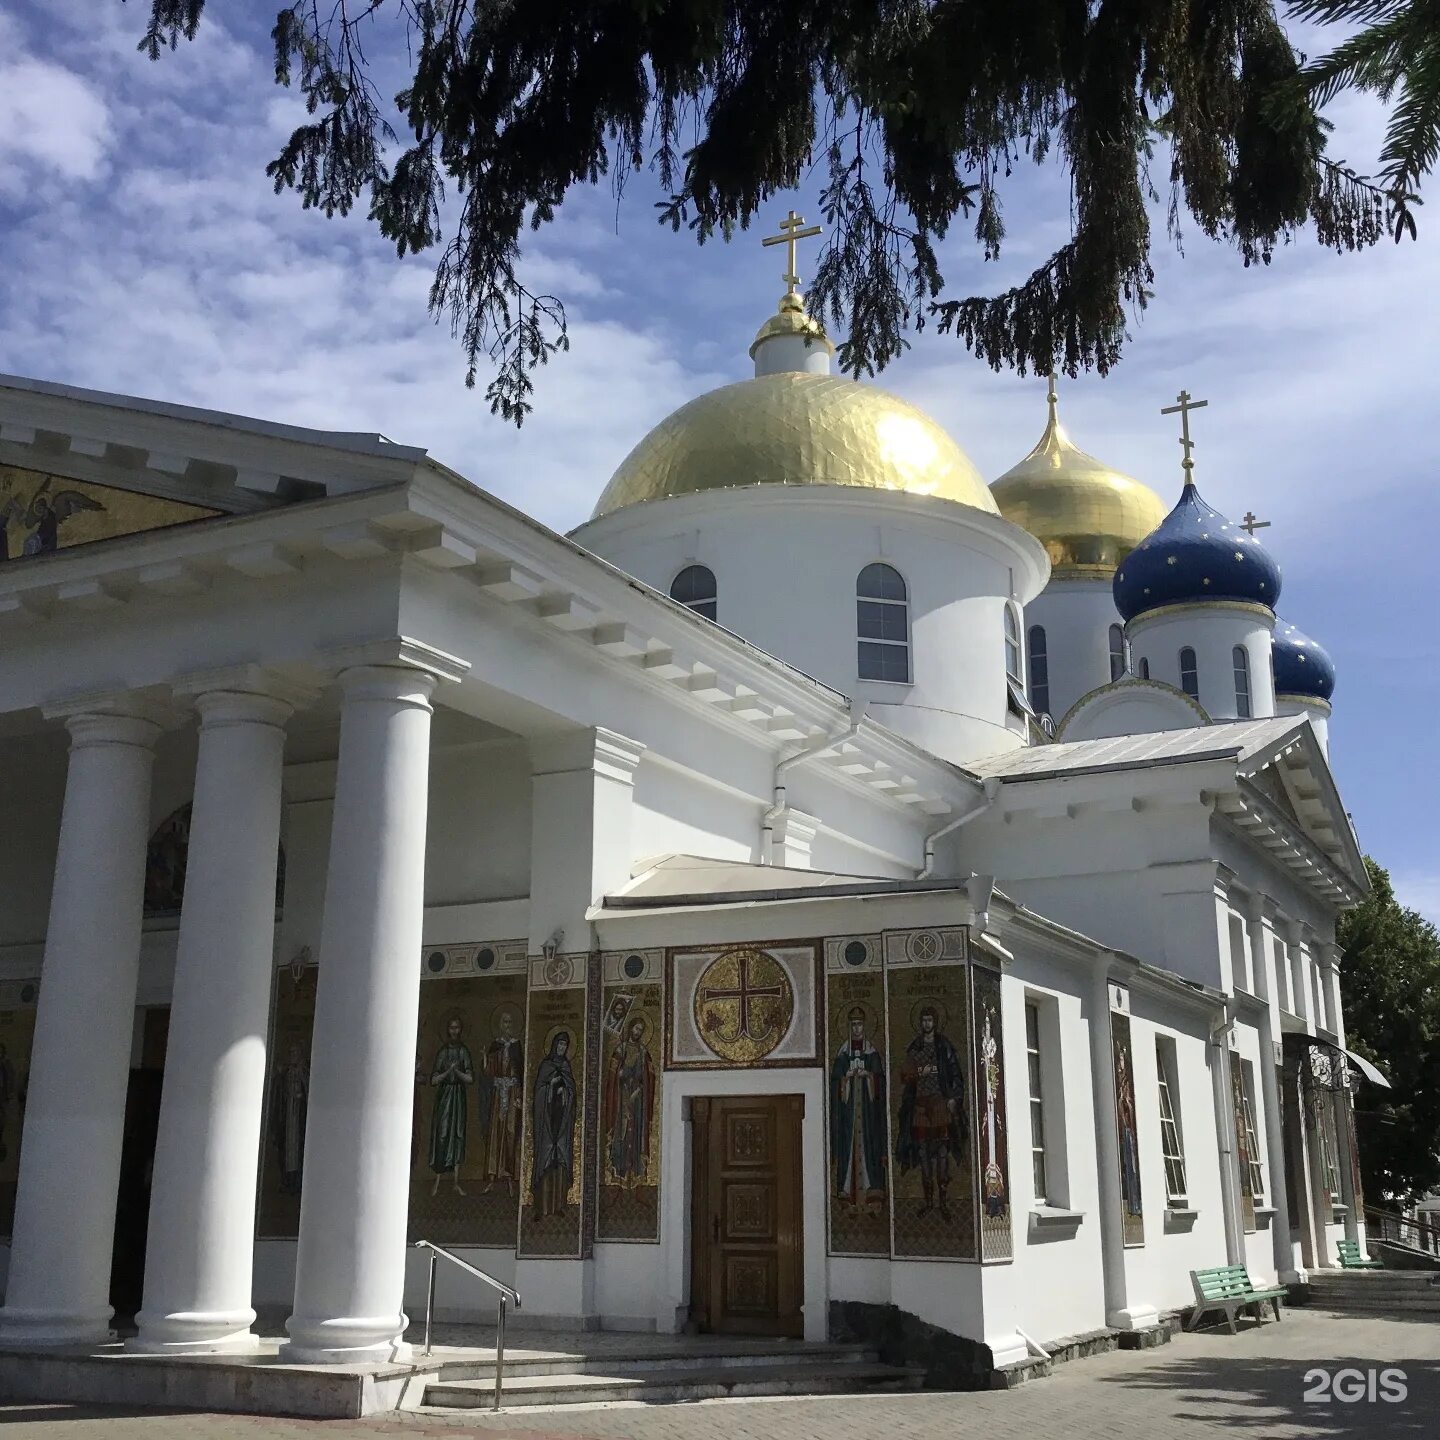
[(934, 1186), (41, 513), (859, 1105), (629, 1114), (1127, 1134), (996, 1240), (553, 1138), (468, 1108)]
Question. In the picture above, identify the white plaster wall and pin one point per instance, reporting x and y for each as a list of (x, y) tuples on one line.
[(786, 561), (1212, 631), (1158, 1272), (1077, 616), (1054, 1286)]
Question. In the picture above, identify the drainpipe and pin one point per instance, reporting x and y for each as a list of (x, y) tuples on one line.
[(991, 787), (1220, 1084), (858, 714)]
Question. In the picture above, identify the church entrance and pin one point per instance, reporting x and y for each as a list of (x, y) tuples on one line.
[(747, 1251), (137, 1156)]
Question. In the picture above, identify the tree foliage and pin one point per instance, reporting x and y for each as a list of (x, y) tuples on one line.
[(1390, 987), (915, 113)]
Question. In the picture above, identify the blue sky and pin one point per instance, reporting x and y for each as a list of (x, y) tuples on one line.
[(144, 252)]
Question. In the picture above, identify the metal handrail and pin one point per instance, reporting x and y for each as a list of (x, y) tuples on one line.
[(1394, 1226), (508, 1296)]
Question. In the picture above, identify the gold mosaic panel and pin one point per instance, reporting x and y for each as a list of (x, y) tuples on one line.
[(1132, 1205), (42, 513), (554, 1143), (932, 1088), (468, 1113), (858, 1108), (629, 1127)]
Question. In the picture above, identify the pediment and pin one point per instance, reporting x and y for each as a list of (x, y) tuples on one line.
[(42, 512)]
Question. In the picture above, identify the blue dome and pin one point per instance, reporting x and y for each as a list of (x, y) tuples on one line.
[(1195, 554), (1301, 666)]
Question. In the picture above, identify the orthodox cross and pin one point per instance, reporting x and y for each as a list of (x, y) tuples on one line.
[(1183, 407), (1250, 524), (745, 992), (790, 235)]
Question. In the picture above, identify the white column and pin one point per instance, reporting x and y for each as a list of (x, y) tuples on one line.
[(80, 1063), (1330, 978), (199, 1256), (350, 1266), (1267, 985)]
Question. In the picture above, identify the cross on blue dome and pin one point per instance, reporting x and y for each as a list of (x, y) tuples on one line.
[(1194, 555)]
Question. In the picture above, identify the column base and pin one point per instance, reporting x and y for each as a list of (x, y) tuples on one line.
[(346, 1341), (53, 1329), (198, 1332), (1134, 1317)]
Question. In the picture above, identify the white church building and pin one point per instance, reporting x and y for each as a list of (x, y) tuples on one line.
[(822, 886)]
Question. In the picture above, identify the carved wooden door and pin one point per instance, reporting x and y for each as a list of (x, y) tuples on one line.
[(748, 1253)]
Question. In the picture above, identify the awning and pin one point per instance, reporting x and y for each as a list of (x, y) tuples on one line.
[(1367, 1069)]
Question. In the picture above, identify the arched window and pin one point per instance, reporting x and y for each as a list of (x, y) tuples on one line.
[(694, 588), (1039, 671), (1144, 668), (1241, 662), (1117, 653), (1189, 675), (1012, 644), (882, 619)]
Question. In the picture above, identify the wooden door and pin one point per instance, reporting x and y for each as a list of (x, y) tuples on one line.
[(747, 1255)]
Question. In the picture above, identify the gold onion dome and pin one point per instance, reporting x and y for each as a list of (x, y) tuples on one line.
[(1086, 515), (795, 428)]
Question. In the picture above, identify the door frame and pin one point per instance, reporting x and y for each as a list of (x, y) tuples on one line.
[(677, 1173)]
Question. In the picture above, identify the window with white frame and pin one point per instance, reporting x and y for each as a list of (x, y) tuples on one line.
[(1117, 653), (1189, 673), (1241, 663), (1329, 1162), (1039, 671), (1012, 643), (882, 613), (1037, 1102), (1171, 1138), (1252, 1140), (694, 587)]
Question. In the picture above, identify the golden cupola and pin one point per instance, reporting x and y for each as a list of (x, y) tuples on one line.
[(1086, 515), (794, 423)]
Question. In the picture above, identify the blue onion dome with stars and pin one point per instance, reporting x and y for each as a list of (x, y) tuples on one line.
[(1302, 666), (1194, 555)]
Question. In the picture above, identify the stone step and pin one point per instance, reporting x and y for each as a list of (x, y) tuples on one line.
[(657, 1353), (661, 1385)]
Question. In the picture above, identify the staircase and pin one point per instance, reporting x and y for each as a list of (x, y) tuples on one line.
[(1407, 1294), (664, 1370)]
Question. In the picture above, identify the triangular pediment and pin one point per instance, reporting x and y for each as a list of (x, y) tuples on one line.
[(41, 512)]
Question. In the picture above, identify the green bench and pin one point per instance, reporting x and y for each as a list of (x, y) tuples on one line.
[(1352, 1259), (1228, 1288)]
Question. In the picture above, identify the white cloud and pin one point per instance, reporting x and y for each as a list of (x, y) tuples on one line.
[(52, 123)]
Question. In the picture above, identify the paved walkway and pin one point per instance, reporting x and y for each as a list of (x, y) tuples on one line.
[(1254, 1382)]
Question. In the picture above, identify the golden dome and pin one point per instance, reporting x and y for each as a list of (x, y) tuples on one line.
[(1086, 515), (795, 428), (791, 318)]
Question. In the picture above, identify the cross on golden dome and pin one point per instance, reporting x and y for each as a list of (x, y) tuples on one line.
[(1183, 406), (792, 231)]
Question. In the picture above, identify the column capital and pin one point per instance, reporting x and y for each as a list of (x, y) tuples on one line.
[(90, 727), (605, 752), (1256, 906), (120, 717), (398, 652), (219, 709), (262, 682)]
